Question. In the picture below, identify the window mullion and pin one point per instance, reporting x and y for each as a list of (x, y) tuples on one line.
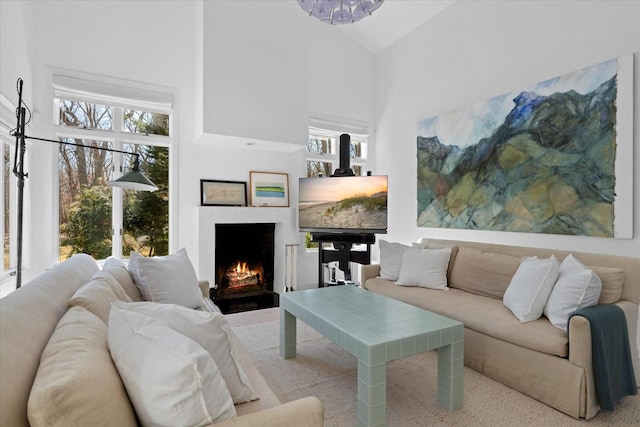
[(117, 215)]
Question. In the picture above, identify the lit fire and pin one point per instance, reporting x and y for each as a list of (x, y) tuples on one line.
[(241, 275)]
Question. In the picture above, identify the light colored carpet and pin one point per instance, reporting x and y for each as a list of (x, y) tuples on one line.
[(324, 370)]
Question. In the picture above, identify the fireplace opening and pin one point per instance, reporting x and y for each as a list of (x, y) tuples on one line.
[(244, 266)]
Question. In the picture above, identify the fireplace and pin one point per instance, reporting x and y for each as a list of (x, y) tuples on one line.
[(244, 267)]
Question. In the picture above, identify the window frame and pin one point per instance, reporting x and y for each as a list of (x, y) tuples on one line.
[(119, 137), (8, 276), (334, 156)]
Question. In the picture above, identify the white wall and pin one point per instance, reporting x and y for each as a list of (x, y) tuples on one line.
[(472, 51), (13, 45)]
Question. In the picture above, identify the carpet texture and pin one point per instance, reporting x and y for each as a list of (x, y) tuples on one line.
[(324, 370)]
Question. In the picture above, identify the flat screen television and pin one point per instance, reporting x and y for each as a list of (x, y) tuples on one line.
[(345, 204)]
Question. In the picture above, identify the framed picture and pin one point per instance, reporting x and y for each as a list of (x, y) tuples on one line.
[(269, 189), (223, 193)]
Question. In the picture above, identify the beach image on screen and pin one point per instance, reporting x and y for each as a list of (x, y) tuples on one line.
[(349, 203)]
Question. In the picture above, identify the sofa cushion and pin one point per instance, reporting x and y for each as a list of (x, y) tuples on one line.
[(481, 314), (117, 268), (577, 287), (531, 286), (483, 273), (211, 331), (76, 383), (426, 268), (170, 379), (170, 279), (612, 280), (97, 294), (391, 259)]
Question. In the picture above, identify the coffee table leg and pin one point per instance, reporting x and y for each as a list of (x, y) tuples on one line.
[(450, 376), (287, 334), (372, 394)]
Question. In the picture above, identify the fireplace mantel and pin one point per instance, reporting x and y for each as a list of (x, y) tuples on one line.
[(285, 233)]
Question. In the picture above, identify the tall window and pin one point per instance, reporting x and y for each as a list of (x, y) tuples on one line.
[(94, 217), (8, 201), (323, 158)]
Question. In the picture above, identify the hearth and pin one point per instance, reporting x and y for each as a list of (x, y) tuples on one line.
[(244, 267)]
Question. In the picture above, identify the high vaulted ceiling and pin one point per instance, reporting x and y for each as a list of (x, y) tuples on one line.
[(393, 20)]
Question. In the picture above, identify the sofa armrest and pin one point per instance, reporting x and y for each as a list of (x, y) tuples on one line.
[(204, 287), (580, 353), (305, 412), (368, 271)]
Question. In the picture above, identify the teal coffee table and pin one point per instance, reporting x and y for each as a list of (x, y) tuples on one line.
[(376, 329)]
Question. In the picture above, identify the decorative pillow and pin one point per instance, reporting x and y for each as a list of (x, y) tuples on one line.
[(530, 287), (211, 331), (96, 295), (170, 279), (76, 383), (426, 268), (483, 273), (425, 244), (577, 287), (117, 268), (391, 259), (612, 280), (169, 378)]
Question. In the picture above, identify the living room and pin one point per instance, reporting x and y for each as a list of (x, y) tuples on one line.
[(464, 48), (248, 78)]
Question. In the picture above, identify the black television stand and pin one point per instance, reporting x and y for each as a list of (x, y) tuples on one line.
[(341, 251)]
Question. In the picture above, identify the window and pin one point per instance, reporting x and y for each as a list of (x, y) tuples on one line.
[(323, 152), (9, 211), (323, 158), (8, 205), (94, 217)]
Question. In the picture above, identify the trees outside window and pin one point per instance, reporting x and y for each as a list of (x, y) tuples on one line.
[(98, 219)]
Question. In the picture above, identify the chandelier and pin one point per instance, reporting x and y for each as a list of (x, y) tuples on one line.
[(340, 11)]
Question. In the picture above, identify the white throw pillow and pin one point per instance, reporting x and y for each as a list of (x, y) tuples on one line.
[(211, 331), (577, 287), (530, 287), (391, 259), (426, 268), (170, 379), (170, 279)]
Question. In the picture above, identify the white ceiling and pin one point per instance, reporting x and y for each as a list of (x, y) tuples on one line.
[(392, 21)]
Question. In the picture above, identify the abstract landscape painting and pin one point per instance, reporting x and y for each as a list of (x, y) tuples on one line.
[(537, 160)]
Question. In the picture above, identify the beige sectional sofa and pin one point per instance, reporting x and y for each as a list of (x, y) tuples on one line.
[(535, 358), (28, 318)]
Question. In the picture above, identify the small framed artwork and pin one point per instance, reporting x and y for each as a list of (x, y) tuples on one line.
[(223, 193), (269, 189)]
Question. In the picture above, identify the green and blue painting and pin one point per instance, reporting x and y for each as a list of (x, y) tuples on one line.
[(538, 160)]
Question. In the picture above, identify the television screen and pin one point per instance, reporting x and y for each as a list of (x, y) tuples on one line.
[(348, 204)]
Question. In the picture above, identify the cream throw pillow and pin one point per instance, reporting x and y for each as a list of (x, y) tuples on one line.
[(612, 280), (170, 379), (426, 268), (211, 331), (391, 259), (577, 287), (530, 287), (170, 279), (117, 268), (76, 383), (97, 294)]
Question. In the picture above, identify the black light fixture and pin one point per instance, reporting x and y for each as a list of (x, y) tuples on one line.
[(133, 180)]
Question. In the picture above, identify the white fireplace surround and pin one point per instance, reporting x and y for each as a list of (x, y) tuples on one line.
[(285, 233)]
